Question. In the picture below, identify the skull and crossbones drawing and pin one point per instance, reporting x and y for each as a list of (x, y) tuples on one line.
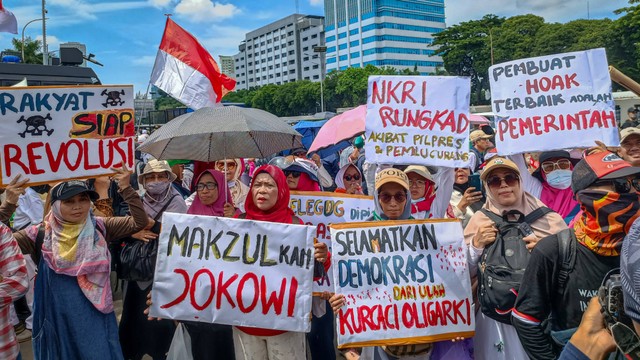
[(113, 98), (36, 125)]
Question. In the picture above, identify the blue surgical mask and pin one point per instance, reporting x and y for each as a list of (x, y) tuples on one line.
[(559, 179)]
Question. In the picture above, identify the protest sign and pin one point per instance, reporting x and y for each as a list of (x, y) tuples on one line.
[(324, 208), (404, 282), (235, 272), (553, 102), (57, 133), (420, 120)]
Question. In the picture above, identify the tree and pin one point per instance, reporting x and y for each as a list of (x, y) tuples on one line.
[(32, 50), (624, 49), (466, 51), (165, 101)]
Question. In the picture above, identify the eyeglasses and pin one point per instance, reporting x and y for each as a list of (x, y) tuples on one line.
[(300, 154), (417, 182), (496, 181), (208, 186), (386, 198), (355, 177), (562, 164), (230, 165), (622, 185), (157, 176), (295, 174)]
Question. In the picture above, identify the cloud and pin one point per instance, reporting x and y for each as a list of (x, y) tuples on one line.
[(78, 10), (205, 10), (53, 43), (146, 61), (223, 40), (159, 3), (316, 2)]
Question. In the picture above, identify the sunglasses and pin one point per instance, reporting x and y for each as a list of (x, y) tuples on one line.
[(496, 181), (562, 164), (355, 177), (208, 186), (220, 166), (622, 185), (386, 198), (417, 182), (295, 174)]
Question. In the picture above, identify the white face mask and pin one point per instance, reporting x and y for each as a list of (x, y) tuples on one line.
[(559, 179)]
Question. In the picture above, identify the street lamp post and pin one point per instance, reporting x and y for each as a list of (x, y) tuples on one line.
[(322, 50), (23, 28), (45, 55)]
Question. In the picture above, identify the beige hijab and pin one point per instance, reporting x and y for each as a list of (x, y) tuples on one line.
[(550, 224)]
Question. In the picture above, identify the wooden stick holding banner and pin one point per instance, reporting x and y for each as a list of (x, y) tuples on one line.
[(235, 272), (404, 282), (322, 209), (58, 133), (421, 120), (553, 102)]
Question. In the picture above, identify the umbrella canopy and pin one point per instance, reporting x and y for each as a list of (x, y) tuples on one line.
[(478, 119), (211, 134), (339, 128)]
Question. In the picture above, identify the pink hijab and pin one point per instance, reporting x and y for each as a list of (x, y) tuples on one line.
[(217, 208), (560, 201)]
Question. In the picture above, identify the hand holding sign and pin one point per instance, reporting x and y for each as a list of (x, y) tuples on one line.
[(320, 253), (15, 189), (123, 176)]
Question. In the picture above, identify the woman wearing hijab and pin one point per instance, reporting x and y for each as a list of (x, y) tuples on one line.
[(423, 190), (391, 198), (73, 305), (465, 200), (349, 180), (210, 341), (268, 200), (239, 191), (505, 198), (302, 175), (551, 182), (137, 335)]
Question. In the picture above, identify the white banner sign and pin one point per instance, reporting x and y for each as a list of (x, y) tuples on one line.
[(57, 133), (404, 282), (324, 208), (553, 102), (421, 120), (235, 272)]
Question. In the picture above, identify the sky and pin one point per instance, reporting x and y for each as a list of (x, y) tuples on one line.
[(124, 35)]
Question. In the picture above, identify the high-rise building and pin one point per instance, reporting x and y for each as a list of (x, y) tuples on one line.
[(281, 52), (227, 66), (396, 33)]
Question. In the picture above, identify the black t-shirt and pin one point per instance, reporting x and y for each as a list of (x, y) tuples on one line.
[(539, 296)]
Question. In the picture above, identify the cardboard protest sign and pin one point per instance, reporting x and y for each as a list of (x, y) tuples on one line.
[(57, 133), (404, 282), (324, 208), (421, 120), (553, 102), (235, 272)]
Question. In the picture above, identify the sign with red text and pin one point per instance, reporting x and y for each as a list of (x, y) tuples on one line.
[(57, 133), (553, 102), (404, 282), (420, 120), (234, 272), (324, 208)]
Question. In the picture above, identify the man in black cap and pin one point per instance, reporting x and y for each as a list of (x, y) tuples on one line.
[(632, 121), (565, 270)]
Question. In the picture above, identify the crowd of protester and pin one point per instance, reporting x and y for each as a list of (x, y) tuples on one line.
[(579, 208)]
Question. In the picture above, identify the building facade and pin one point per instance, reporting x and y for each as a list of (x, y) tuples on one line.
[(396, 33), (227, 66), (281, 52)]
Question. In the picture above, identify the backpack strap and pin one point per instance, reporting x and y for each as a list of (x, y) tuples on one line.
[(494, 217), (567, 252), (536, 214)]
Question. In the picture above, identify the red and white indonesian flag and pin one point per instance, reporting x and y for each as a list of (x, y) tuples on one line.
[(186, 71), (8, 22)]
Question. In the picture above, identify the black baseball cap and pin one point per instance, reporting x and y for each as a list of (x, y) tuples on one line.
[(71, 188), (632, 109), (562, 154)]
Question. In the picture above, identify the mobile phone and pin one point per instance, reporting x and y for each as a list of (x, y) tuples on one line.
[(474, 181)]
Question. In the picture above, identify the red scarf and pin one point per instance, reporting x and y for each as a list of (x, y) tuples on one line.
[(280, 212), (429, 196), (306, 184)]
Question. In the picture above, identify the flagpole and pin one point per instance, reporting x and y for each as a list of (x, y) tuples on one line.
[(144, 106)]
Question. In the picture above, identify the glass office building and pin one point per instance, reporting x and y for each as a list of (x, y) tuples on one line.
[(396, 33)]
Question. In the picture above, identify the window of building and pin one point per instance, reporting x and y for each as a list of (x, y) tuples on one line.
[(277, 66), (269, 58), (305, 38), (306, 48), (306, 78), (291, 62), (315, 66), (306, 68), (269, 50), (284, 73), (278, 74), (316, 77), (263, 52), (270, 67), (306, 58), (331, 38), (291, 52), (290, 33), (314, 36), (277, 57)]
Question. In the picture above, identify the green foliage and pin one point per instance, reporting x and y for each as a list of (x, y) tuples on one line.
[(466, 48), (32, 49)]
